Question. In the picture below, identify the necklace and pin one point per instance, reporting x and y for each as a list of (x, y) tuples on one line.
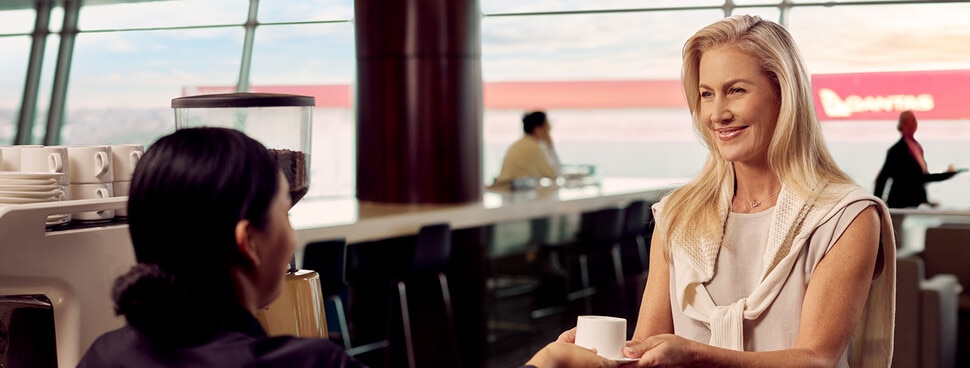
[(758, 203)]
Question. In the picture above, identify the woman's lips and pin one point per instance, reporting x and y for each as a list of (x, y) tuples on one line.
[(729, 133)]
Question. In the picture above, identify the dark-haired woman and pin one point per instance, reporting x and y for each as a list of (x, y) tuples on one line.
[(208, 219)]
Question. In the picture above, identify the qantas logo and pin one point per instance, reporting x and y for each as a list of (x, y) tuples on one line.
[(838, 107)]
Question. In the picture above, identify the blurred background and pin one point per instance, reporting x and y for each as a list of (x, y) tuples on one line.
[(606, 71)]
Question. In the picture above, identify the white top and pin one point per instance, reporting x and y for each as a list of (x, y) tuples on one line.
[(747, 294), (529, 157), (739, 268)]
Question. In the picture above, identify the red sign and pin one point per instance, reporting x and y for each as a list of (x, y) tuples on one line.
[(880, 96)]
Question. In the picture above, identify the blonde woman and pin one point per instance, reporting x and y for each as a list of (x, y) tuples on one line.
[(772, 256)]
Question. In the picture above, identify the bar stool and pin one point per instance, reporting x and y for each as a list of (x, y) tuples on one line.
[(328, 259), (599, 236), (432, 251), (633, 243), (369, 271)]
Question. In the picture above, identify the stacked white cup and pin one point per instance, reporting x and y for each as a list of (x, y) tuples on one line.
[(43, 159), (36, 160), (91, 177), (126, 156), (11, 156)]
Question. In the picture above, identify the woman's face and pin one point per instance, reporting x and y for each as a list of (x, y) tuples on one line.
[(275, 245), (741, 101)]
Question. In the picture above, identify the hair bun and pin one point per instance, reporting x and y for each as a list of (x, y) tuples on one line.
[(143, 295)]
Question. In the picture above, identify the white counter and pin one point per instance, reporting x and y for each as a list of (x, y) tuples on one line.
[(329, 218)]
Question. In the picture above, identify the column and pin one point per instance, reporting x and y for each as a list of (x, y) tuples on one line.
[(418, 101)]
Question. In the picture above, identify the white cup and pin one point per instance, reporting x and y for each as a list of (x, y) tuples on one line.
[(605, 334), (92, 191), (124, 158), (48, 159), (90, 164), (120, 189), (11, 156)]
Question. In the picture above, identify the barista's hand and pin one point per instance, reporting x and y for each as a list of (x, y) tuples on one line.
[(568, 336), (563, 354)]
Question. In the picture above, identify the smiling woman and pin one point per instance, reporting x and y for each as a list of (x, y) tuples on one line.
[(738, 278)]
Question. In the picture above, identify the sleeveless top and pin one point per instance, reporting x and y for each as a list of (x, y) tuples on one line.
[(745, 291)]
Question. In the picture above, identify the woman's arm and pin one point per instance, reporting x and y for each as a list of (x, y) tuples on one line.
[(833, 305), (655, 316)]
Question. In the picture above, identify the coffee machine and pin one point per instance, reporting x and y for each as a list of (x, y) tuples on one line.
[(55, 282)]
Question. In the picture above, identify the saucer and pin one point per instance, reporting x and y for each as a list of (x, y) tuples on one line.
[(30, 175), (58, 219), (27, 182), (31, 194), (30, 188)]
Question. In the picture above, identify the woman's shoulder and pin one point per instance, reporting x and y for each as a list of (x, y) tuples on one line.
[(846, 193)]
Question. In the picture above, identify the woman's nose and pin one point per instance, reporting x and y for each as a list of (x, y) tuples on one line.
[(721, 114)]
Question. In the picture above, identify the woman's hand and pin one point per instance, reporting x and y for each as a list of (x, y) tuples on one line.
[(665, 350)]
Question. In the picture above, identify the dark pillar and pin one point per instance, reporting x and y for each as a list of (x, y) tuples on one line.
[(419, 101)]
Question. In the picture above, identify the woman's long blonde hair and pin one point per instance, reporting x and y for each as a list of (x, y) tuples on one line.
[(796, 154)]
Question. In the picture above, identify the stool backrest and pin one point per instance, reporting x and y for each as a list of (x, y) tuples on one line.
[(329, 259), (432, 248), (635, 218), (607, 225)]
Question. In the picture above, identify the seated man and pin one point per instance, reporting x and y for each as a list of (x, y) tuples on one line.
[(533, 155)]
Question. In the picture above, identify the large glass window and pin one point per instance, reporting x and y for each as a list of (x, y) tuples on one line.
[(604, 51), (770, 13), (162, 14), (122, 83), (868, 38), (850, 39), (606, 71), (517, 6), (15, 27), (288, 57), (305, 11), (13, 58)]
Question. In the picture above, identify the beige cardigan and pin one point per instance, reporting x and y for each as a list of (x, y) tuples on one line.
[(792, 224)]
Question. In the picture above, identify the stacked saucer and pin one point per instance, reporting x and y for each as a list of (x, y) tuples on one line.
[(18, 187)]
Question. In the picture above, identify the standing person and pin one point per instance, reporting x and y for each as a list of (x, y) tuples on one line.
[(208, 217), (534, 154), (772, 256), (906, 166)]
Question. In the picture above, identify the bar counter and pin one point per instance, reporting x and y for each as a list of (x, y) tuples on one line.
[(329, 218), (393, 228)]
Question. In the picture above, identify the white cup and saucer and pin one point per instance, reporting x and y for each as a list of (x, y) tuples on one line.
[(605, 334)]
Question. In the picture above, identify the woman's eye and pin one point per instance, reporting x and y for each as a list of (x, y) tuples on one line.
[(706, 94), (737, 90)]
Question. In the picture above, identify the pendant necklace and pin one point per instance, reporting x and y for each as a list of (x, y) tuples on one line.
[(758, 203)]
